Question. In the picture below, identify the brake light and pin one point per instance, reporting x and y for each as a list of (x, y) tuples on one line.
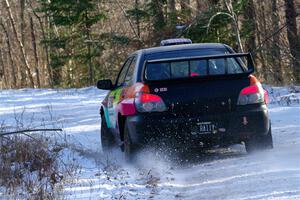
[(252, 94), (149, 98), (250, 90), (145, 102)]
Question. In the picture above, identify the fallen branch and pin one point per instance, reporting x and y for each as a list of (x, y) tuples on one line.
[(29, 130)]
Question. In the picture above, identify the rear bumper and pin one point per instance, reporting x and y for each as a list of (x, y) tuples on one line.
[(234, 127)]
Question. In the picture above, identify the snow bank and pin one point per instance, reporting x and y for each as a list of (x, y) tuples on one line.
[(219, 174)]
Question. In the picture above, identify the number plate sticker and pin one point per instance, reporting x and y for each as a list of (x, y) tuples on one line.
[(207, 127)]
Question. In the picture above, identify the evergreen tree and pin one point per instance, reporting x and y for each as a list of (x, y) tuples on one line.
[(71, 40)]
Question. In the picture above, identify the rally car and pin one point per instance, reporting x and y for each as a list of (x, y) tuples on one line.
[(188, 96)]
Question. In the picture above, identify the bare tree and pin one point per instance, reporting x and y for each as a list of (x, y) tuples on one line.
[(137, 18), (293, 38), (22, 30), (250, 17), (171, 6), (36, 59), (45, 47), (276, 40), (158, 19), (19, 42), (3, 78), (28, 56), (171, 16), (261, 30), (9, 49)]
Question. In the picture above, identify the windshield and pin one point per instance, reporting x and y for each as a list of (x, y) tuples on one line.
[(193, 68)]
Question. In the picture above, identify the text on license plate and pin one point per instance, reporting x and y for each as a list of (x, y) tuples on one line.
[(207, 127)]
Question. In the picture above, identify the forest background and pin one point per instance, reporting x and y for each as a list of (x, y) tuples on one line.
[(73, 43)]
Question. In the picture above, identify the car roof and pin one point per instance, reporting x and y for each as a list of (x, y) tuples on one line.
[(181, 47)]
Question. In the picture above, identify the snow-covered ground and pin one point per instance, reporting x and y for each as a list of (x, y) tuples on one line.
[(218, 174)]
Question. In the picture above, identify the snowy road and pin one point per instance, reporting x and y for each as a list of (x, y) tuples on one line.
[(219, 174)]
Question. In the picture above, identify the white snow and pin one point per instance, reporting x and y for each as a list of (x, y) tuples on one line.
[(218, 174)]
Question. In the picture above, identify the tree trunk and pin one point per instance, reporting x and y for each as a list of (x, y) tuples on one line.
[(250, 19), (275, 44), (185, 9), (1, 66), (22, 70), (10, 58), (258, 30), (89, 55), (159, 19), (33, 41), (171, 6), (137, 18), (237, 31), (46, 49), (235, 24), (172, 16), (3, 77), (22, 21), (263, 53), (293, 38), (20, 44)]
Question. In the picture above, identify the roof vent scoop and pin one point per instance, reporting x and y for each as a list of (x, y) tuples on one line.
[(175, 41)]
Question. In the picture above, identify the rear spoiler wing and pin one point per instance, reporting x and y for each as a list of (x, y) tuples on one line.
[(250, 63)]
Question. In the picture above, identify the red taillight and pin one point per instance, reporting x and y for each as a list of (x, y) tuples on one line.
[(145, 102), (252, 94), (249, 90), (149, 98)]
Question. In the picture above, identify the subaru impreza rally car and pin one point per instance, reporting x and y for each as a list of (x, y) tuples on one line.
[(185, 95)]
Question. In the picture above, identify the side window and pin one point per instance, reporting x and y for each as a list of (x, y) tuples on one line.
[(234, 67), (130, 73), (123, 72)]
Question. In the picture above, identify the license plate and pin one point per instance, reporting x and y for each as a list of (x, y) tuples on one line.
[(207, 127)]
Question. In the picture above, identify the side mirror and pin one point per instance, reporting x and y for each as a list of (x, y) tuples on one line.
[(105, 84)]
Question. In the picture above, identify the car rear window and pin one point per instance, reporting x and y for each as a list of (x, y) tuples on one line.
[(192, 68)]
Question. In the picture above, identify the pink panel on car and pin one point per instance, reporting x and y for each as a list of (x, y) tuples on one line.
[(127, 107)]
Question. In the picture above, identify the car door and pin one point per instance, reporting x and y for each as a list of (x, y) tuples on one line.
[(115, 95)]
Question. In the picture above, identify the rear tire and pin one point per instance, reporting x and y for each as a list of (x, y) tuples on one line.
[(107, 139), (260, 143), (129, 149)]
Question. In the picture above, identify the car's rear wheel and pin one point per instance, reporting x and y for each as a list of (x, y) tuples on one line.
[(107, 139), (129, 149), (260, 143)]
